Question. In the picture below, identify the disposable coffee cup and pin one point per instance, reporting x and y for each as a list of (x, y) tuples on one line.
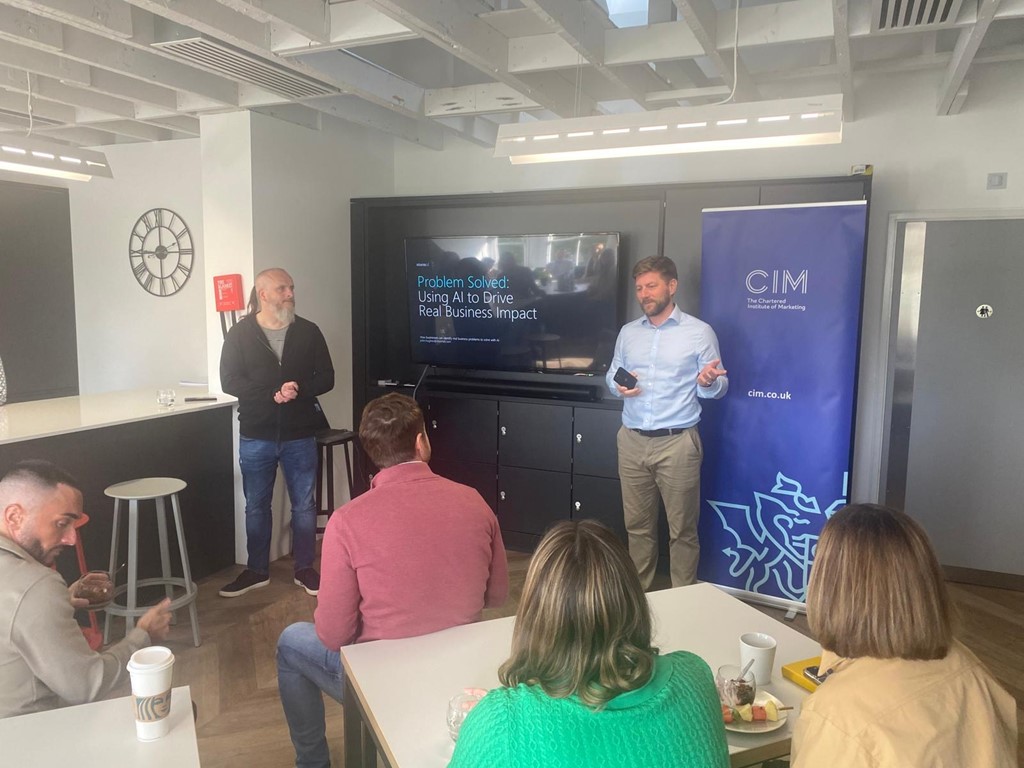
[(150, 670), (760, 648)]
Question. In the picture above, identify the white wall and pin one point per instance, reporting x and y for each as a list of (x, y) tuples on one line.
[(128, 338), (921, 161), (303, 182)]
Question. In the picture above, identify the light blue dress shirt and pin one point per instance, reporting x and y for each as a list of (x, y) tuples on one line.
[(666, 359)]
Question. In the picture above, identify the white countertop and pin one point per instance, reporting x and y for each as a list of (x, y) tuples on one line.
[(59, 416)]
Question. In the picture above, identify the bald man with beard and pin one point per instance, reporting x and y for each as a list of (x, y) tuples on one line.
[(45, 661), (276, 363)]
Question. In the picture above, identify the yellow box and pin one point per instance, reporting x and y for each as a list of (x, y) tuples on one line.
[(794, 671)]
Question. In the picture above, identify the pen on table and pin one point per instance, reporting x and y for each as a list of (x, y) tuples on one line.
[(210, 399)]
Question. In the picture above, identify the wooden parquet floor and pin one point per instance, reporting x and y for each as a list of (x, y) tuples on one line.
[(234, 680)]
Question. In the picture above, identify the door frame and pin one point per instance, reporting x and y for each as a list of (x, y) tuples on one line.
[(904, 269)]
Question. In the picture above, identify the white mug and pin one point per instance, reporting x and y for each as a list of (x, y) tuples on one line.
[(761, 648)]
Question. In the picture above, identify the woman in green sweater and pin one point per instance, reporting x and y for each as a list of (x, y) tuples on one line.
[(583, 686)]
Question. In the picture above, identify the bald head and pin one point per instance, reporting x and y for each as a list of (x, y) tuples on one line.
[(276, 292)]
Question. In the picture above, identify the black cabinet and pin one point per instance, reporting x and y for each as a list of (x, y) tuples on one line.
[(594, 451), (534, 435), (531, 500), (463, 429), (598, 498), (463, 436), (535, 463)]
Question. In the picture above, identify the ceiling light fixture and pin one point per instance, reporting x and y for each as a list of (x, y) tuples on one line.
[(26, 154), (711, 128)]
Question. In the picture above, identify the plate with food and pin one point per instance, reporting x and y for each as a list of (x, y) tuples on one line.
[(765, 714)]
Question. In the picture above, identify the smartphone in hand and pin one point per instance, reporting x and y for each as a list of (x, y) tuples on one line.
[(624, 378)]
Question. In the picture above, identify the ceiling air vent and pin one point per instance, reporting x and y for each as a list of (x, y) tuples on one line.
[(911, 15), (215, 56)]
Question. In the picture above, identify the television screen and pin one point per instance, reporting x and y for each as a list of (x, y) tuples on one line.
[(514, 303)]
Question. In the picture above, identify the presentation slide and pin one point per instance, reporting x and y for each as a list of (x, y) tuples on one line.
[(523, 303)]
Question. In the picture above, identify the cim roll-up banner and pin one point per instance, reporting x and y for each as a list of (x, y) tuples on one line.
[(781, 286)]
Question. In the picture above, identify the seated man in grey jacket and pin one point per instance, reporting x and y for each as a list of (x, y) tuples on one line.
[(45, 661)]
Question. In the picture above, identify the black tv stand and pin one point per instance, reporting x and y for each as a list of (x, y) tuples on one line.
[(581, 393)]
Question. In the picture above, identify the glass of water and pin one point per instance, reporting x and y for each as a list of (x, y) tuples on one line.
[(459, 706), (165, 397)]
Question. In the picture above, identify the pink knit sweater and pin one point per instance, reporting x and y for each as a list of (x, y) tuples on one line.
[(415, 554)]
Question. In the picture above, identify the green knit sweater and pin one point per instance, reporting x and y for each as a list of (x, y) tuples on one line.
[(674, 721)]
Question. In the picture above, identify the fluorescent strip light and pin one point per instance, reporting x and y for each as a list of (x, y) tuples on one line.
[(707, 128), (28, 154)]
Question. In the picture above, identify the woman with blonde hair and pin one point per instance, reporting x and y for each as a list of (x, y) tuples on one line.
[(583, 686), (900, 691)]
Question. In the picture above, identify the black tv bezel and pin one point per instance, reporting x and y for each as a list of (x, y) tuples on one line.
[(614, 299)]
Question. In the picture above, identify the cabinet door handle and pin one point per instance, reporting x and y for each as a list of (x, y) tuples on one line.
[(503, 431), (579, 438), (578, 506), (502, 495)]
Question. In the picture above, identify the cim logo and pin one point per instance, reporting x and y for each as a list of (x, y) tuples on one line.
[(778, 281)]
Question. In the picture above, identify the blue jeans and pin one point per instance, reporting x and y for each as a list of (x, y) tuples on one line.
[(258, 460), (305, 668)]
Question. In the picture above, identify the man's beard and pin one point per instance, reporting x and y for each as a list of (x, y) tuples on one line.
[(46, 557), (655, 309), (285, 313)]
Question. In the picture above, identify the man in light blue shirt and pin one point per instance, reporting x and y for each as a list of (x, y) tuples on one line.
[(675, 359)]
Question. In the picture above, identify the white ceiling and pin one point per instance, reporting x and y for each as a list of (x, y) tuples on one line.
[(97, 72)]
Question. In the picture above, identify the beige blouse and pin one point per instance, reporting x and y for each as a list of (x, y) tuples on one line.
[(893, 713)]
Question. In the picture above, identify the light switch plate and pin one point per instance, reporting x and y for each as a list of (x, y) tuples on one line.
[(996, 181)]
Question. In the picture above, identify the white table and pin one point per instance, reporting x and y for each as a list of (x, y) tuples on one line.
[(99, 735), (397, 691)]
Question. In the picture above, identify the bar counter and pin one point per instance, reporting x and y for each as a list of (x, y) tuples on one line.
[(108, 438)]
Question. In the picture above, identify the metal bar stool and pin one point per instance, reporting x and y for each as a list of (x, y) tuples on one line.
[(325, 442), (134, 491)]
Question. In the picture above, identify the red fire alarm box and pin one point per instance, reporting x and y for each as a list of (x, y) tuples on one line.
[(227, 292)]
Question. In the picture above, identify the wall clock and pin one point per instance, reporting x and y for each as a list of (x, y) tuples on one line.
[(160, 252)]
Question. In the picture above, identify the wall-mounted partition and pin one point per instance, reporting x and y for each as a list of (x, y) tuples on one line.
[(529, 493), (37, 311)]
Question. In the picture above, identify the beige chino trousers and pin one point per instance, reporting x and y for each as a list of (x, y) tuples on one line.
[(669, 468)]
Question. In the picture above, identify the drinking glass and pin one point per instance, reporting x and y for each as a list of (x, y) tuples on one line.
[(734, 690), (458, 707), (96, 587), (165, 397)]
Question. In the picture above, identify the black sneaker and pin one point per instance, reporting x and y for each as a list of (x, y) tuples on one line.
[(247, 580), (309, 580)]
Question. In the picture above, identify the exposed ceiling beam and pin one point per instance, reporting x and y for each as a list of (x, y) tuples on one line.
[(55, 90), (966, 49), (178, 123), (454, 27), (307, 17), (130, 128), (361, 78), (42, 63), (475, 100), (212, 19), (583, 27), (83, 137), (481, 132), (702, 19), (105, 17), (18, 103), (355, 110), (122, 86), (92, 49), (352, 24), (844, 63)]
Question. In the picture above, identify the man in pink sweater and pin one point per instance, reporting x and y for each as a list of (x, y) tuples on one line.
[(415, 554)]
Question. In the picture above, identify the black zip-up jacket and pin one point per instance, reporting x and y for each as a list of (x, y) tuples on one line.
[(250, 371)]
